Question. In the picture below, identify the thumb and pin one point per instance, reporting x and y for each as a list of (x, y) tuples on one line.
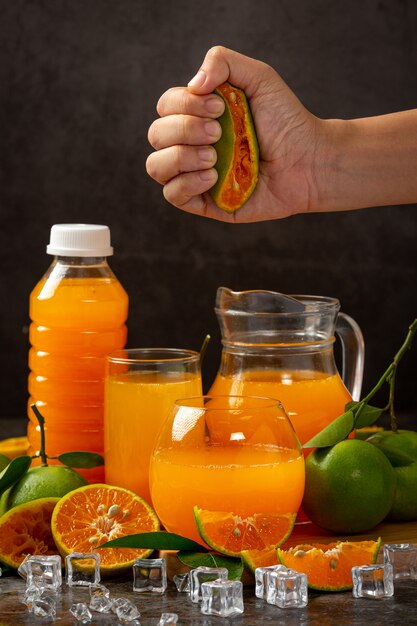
[(221, 64)]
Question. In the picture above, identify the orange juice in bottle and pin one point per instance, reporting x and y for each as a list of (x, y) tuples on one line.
[(78, 314)]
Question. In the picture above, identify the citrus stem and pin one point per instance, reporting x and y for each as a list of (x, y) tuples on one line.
[(41, 421), (204, 348), (389, 376), (394, 426)]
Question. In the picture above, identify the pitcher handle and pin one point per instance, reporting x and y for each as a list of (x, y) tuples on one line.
[(353, 349)]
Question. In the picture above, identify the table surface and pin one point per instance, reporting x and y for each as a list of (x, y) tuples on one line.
[(323, 608)]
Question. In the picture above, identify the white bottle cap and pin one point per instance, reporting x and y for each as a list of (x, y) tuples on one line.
[(80, 240)]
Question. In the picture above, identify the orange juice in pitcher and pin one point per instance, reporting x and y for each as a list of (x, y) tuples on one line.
[(282, 347)]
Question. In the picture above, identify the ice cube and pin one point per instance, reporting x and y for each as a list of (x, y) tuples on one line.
[(150, 575), (82, 568), (127, 612), (373, 581), (99, 590), (222, 597), (33, 592), (101, 604), (43, 571), (261, 579), (43, 607), (203, 574), (287, 589), (403, 558), (81, 612), (182, 582)]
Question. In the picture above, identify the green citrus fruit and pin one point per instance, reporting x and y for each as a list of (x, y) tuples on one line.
[(52, 481), (350, 486), (237, 151), (404, 508), (4, 461), (402, 441)]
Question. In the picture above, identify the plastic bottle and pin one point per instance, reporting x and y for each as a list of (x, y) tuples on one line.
[(78, 311)]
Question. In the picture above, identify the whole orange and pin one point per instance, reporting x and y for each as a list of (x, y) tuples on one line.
[(350, 486), (404, 506)]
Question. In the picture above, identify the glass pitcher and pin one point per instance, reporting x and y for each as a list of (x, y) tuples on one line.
[(281, 347)]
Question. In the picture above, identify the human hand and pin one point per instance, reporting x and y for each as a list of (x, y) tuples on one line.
[(184, 135)]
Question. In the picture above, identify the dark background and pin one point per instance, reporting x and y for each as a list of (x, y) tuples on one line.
[(79, 82)]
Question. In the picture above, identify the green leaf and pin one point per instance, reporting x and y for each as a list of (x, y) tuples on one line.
[(81, 459), (233, 565), (396, 457), (333, 433), (14, 471), (367, 416), (160, 540)]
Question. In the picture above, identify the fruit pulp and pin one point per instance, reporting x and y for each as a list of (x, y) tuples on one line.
[(76, 322), (311, 399), (136, 406), (242, 479)]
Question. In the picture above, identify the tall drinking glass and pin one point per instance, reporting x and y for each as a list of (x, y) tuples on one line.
[(141, 385), (235, 454)]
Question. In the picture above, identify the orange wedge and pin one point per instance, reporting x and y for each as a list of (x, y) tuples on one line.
[(231, 534)]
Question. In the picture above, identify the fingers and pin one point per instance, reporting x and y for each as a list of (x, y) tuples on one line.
[(184, 191), (221, 64), (183, 129), (180, 100), (174, 160)]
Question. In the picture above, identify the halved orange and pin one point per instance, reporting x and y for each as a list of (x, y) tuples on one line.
[(328, 566), (89, 516), (231, 534), (14, 446), (26, 529)]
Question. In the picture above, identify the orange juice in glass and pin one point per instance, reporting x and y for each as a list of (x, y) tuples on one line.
[(231, 454), (141, 385)]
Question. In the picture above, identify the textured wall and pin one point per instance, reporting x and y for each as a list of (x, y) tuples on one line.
[(79, 81)]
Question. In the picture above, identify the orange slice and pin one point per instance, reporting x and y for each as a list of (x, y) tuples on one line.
[(89, 516), (231, 534), (328, 566), (237, 150), (26, 529), (259, 558)]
